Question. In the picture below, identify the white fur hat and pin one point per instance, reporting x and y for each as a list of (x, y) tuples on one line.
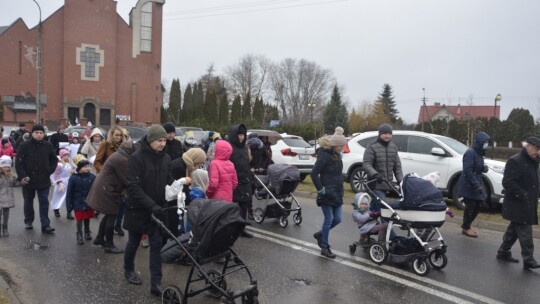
[(5, 161)]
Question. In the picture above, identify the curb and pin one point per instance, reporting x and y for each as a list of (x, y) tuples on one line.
[(6, 289), (456, 220)]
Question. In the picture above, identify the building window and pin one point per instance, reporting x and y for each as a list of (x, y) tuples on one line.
[(90, 58), (146, 27)]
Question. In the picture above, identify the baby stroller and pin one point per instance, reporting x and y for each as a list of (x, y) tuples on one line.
[(215, 227), (420, 212), (279, 185)]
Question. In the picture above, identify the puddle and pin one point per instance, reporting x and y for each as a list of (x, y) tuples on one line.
[(33, 245), (303, 282)]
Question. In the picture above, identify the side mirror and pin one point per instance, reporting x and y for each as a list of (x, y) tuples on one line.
[(438, 152)]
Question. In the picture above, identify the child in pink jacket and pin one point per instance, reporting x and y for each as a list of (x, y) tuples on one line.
[(222, 173)]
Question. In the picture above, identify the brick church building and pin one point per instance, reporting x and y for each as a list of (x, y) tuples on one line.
[(95, 66)]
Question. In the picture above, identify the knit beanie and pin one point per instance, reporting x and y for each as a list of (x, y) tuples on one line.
[(38, 128), (155, 132), (338, 139), (5, 161), (533, 140), (215, 136), (385, 128), (169, 127), (81, 164), (63, 152), (192, 157)]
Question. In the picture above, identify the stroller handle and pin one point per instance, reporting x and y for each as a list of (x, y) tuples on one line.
[(393, 188), (365, 183)]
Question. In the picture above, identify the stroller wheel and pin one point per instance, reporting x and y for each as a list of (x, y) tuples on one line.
[(283, 221), (258, 215), (438, 259), (420, 267), (172, 295), (218, 280), (297, 219), (378, 253), (250, 299)]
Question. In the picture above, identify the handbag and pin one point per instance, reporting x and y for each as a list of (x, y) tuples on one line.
[(319, 200)]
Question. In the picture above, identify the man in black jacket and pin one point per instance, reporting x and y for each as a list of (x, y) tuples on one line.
[(521, 182), (173, 147), (35, 163), (57, 138), (147, 176)]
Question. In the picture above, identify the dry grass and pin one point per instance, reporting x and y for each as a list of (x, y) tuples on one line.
[(4, 299)]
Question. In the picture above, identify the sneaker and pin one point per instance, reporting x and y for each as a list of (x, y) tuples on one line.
[(88, 235), (507, 258), (469, 232), (56, 212), (318, 237), (132, 277), (119, 230), (48, 230), (98, 242), (111, 248), (327, 253), (28, 226)]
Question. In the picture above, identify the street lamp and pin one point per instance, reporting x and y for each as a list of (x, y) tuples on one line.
[(39, 84), (497, 98), (311, 107)]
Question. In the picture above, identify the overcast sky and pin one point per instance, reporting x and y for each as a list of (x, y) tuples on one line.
[(455, 49)]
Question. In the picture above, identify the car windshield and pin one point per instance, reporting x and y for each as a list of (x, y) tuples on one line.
[(454, 144), (296, 142)]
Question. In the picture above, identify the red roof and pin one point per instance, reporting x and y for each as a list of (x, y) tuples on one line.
[(458, 112)]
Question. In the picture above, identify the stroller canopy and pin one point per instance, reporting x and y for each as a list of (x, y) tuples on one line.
[(420, 194), (215, 224), (280, 172)]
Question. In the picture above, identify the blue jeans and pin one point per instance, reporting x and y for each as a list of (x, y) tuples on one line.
[(376, 207), (155, 241), (332, 217), (43, 200)]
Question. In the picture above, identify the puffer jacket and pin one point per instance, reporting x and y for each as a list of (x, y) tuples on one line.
[(223, 179), (147, 176), (77, 191), (7, 197), (36, 160), (110, 184), (382, 157), (473, 166), (521, 182), (327, 173), (240, 158)]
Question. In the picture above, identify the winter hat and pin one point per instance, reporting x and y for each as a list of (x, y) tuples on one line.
[(78, 158), (385, 128), (215, 136), (38, 128), (26, 136), (533, 140), (75, 135), (338, 139), (155, 132), (5, 136), (169, 127), (361, 197), (4, 141), (81, 164), (63, 152), (192, 157), (5, 161)]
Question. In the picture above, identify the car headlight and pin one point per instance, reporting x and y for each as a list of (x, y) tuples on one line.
[(496, 168)]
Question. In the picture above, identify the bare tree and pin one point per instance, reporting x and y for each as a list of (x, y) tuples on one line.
[(248, 75), (301, 88)]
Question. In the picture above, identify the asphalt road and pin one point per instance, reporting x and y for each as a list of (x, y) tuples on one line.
[(285, 261)]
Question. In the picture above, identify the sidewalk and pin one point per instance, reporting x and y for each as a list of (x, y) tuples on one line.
[(456, 220)]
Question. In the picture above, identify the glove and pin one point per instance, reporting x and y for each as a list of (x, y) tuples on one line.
[(25, 181), (479, 190), (61, 187), (374, 215), (378, 177), (157, 211), (322, 191), (449, 213), (486, 169)]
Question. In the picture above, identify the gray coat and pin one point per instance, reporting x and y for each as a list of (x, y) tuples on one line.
[(382, 158), (7, 198), (110, 184), (521, 185)]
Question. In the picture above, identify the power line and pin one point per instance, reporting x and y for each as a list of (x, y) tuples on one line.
[(228, 7), (256, 10)]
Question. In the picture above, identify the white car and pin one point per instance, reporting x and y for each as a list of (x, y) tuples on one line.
[(294, 150), (423, 153)]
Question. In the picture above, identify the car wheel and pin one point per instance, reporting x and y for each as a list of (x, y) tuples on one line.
[(457, 201), (358, 176)]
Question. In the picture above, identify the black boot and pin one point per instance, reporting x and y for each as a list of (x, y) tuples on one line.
[(111, 248), (57, 212), (88, 235), (5, 232), (69, 216), (80, 240)]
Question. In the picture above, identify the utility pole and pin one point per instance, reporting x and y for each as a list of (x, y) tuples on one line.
[(39, 68), (424, 109)]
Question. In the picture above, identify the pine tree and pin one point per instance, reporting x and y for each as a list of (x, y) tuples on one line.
[(236, 111), (174, 102), (258, 112), (187, 109), (198, 105), (246, 108), (388, 107), (211, 112), (335, 113), (224, 111)]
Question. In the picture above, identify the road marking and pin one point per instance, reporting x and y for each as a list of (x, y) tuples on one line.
[(345, 257)]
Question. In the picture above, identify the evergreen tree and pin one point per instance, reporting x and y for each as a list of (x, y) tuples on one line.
[(335, 114), (258, 112), (524, 121), (174, 102), (246, 109), (388, 105), (164, 117), (187, 109), (236, 111), (198, 105), (224, 111), (211, 112)]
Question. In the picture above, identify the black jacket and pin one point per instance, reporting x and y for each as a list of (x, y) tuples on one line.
[(521, 183), (36, 160), (240, 159), (327, 173), (147, 176), (174, 149), (77, 190), (56, 139)]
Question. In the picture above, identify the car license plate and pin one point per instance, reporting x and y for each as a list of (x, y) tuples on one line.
[(304, 157)]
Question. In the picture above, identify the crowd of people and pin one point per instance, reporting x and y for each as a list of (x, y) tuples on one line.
[(127, 183)]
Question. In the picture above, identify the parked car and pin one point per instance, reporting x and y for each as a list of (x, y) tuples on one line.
[(423, 153), (136, 133), (82, 131), (294, 150)]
